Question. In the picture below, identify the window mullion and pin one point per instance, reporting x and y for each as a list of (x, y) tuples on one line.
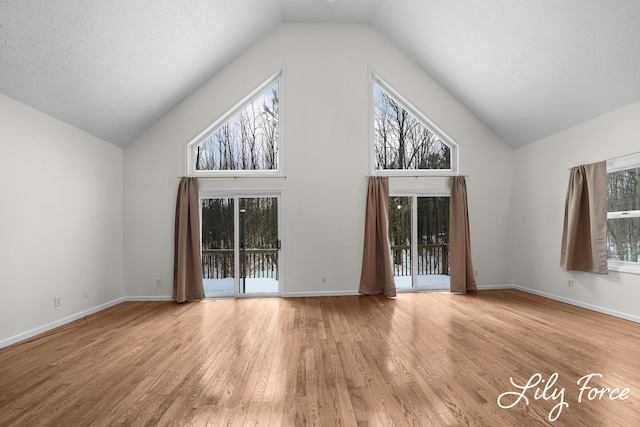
[(414, 240)]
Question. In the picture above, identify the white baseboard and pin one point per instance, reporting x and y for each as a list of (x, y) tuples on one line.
[(592, 307), (148, 298), (49, 326), (603, 310), (33, 332), (321, 294), (491, 287)]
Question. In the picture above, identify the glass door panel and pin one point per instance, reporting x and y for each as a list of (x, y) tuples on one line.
[(259, 244), (400, 236), (218, 265), (433, 242)]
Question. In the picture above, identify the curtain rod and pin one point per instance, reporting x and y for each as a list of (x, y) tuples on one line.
[(233, 177)]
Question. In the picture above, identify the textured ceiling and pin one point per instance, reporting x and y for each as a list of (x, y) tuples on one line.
[(527, 68)]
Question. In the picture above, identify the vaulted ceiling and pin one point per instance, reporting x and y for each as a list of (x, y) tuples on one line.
[(527, 68)]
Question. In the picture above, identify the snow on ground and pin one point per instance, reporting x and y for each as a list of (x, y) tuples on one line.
[(267, 285), (225, 286), (424, 281)]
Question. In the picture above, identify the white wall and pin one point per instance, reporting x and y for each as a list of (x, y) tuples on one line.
[(326, 137), (541, 185), (61, 209), (60, 222)]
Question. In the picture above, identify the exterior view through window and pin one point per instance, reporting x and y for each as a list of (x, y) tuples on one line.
[(623, 218), (401, 141), (240, 245), (247, 141), (419, 237), (240, 239)]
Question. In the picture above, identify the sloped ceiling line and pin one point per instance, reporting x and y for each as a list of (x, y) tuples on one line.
[(527, 69)]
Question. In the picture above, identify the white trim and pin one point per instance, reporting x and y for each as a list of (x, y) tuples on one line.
[(629, 161), (279, 194), (624, 266), (411, 172), (190, 169), (148, 298), (623, 214), (321, 294), (414, 194), (592, 307), (49, 326), (494, 287), (603, 310), (420, 192), (33, 332), (454, 147)]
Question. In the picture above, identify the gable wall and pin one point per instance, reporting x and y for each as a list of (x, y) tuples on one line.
[(326, 141)]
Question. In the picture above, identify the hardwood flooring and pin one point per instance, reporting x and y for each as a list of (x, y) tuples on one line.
[(425, 359)]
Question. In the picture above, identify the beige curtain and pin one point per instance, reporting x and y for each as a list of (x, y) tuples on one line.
[(584, 238), (377, 276), (187, 265), (461, 274)]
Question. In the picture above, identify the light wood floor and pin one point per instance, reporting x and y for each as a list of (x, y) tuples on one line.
[(423, 359)]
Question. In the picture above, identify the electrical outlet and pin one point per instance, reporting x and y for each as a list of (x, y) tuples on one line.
[(475, 273), (324, 279), (85, 293), (57, 301), (570, 283), (158, 282)]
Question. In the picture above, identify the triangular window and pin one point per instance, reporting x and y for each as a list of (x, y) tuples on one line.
[(405, 140), (246, 139)]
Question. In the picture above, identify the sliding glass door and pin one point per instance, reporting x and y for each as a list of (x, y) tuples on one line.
[(401, 239), (240, 245), (259, 245), (419, 237), (218, 245)]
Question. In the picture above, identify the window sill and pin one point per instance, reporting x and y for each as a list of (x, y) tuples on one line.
[(624, 267)]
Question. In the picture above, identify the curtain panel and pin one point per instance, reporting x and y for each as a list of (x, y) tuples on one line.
[(584, 237), (461, 267), (377, 274), (187, 265)]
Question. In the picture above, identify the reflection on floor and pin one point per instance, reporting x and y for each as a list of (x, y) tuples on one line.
[(268, 285)]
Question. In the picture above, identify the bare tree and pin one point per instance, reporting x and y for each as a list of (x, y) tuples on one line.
[(247, 141), (623, 234), (402, 141)]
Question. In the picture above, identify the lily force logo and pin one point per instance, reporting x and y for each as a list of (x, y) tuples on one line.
[(545, 389)]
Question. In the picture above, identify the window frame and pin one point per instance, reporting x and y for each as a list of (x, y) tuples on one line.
[(414, 194), (190, 147), (630, 161), (454, 169), (236, 195)]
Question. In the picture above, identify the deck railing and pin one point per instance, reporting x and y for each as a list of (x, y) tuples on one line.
[(432, 259), (218, 263)]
